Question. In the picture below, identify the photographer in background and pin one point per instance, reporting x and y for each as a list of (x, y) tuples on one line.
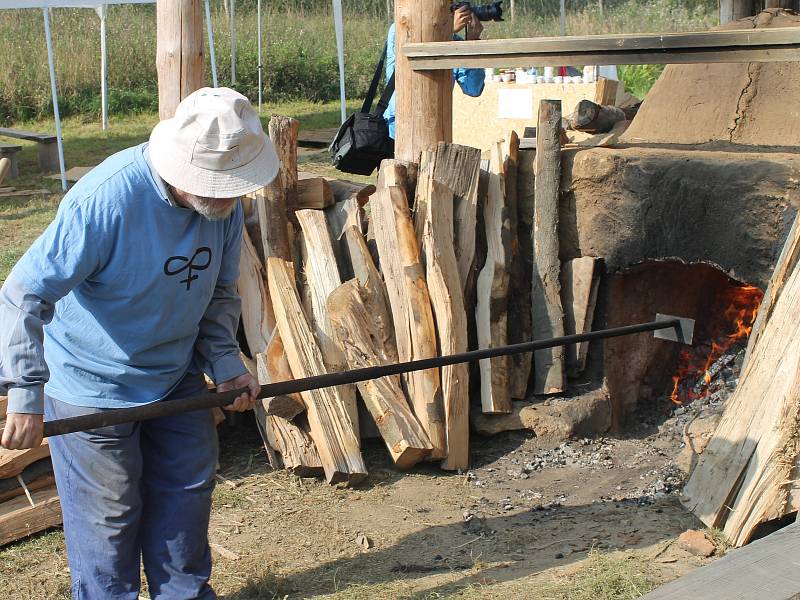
[(470, 80)]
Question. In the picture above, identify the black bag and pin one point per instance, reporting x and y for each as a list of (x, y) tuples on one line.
[(363, 141)]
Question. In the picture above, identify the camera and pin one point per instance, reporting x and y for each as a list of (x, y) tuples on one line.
[(484, 12)]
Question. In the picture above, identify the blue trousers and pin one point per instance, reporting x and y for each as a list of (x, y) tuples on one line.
[(138, 493)]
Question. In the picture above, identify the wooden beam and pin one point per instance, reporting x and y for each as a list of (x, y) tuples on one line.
[(443, 168), (548, 315), (412, 314), (424, 100), (331, 428), (360, 337), (751, 45), (491, 313), (179, 52)]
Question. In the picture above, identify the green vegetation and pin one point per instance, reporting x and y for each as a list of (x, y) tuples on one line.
[(299, 52)]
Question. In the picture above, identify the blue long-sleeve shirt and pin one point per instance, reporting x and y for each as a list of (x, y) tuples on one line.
[(123, 294), (471, 81)]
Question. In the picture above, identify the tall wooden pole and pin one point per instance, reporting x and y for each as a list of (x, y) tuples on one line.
[(733, 10), (179, 52), (424, 98)]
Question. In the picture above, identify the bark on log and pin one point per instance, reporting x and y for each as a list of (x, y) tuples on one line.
[(360, 337), (548, 316), (491, 314), (331, 427), (411, 307), (465, 225), (179, 52), (445, 288), (595, 118), (258, 320), (580, 281), (322, 278), (344, 190)]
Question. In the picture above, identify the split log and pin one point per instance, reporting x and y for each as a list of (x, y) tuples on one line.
[(344, 190), (332, 430), (13, 462), (445, 288), (465, 225), (18, 519), (275, 200), (360, 336), (340, 216), (580, 280), (258, 321), (747, 473), (548, 316), (5, 168), (595, 118), (322, 278), (296, 449), (605, 93), (519, 297), (491, 314), (314, 193), (36, 476), (411, 307)]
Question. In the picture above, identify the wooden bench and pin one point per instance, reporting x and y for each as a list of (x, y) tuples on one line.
[(48, 146), (9, 151)]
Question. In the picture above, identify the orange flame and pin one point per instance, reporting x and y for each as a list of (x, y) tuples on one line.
[(738, 318)]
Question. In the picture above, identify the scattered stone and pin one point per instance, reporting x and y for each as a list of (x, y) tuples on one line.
[(363, 541), (697, 543)]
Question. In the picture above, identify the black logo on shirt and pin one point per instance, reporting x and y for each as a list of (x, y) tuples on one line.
[(178, 264)]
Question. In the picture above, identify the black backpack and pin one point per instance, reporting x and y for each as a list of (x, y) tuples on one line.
[(363, 141)]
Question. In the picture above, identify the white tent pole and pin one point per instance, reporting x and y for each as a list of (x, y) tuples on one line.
[(339, 25), (54, 93), (260, 66), (212, 54), (233, 43), (102, 11)]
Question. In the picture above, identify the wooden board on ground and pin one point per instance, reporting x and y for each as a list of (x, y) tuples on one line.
[(435, 191), (580, 280), (360, 336), (409, 298), (18, 519), (491, 313), (548, 315), (766, 570), (317, 138), (23, 193), (331, 427)]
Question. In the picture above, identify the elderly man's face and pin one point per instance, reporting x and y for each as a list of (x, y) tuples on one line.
[(213, 209)]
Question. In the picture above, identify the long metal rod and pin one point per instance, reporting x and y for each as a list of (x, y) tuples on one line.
[(54, 92), (211, 49), (284, 388), (102, 12)]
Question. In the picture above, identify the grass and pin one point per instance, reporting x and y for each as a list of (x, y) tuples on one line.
[(299, 55)]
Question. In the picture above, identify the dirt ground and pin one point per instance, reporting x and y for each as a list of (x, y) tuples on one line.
[(590, 518)]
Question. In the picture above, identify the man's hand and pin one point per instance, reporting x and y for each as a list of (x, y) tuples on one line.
[(474, 27), (461, 18), (22, 431), (245, 401)]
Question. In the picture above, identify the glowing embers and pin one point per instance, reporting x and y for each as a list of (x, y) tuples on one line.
[(701, 367)]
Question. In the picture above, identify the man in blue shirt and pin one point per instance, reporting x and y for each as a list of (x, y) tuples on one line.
[(470, 80), (127, 298)]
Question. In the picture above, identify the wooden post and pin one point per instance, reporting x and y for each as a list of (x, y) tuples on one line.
[(424, 99), (780, 4), (179, 52), (733, 10), (548, 316)]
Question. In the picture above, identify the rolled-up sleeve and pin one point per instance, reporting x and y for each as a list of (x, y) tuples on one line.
[(23, 371)]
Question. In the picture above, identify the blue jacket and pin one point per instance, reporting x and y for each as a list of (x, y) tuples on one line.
[(470, 80)]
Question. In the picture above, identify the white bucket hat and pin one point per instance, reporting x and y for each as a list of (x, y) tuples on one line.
[(214, 146)]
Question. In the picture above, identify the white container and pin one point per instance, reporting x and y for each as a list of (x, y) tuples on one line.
[(589, 72), (540, 79), (521, 76), (508, 77), (548, 73), (558, 79), (497, 78), (488, 74)]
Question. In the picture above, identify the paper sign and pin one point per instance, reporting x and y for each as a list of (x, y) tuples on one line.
[(515, 104)]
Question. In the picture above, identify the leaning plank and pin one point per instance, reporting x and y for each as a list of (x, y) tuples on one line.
[(548, 316), (18, 519), (491, 313), (412, 314), (434, 191), (322, 278), (331, 428), (746, 474), (297, 450), (465, 223), (13, 462), (580, 280), (360, 337), (258, 320)]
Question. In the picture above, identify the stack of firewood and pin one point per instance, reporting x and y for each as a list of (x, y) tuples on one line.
[(437, 258), (28, 498)]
